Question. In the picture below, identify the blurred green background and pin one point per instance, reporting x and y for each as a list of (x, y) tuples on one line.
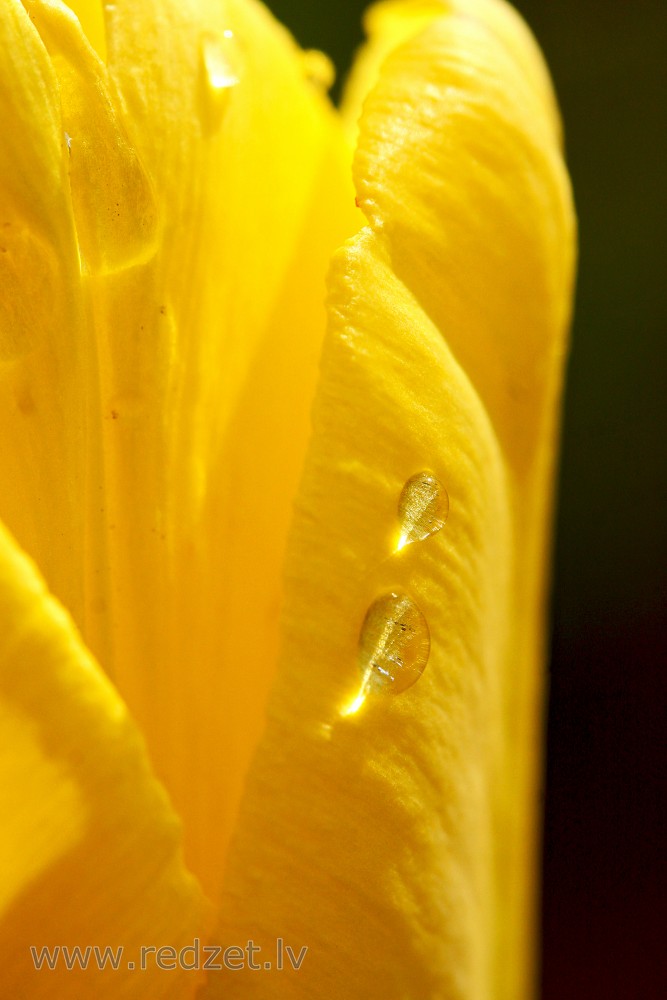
[(603, 903)]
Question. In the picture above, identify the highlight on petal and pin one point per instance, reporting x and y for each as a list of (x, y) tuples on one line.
[(397, 841), (114, 204), (89, 845)]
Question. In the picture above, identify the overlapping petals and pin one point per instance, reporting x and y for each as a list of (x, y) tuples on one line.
[(89, 845), (173, 186), (195, 183), (398, 842)]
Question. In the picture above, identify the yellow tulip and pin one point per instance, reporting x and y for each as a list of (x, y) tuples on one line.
[(203, 487)]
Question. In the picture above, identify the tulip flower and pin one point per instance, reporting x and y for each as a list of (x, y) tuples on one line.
[(273, 569)]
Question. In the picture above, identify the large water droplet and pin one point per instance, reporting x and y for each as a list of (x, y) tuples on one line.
[(394, 644), (423, 507), (220, 62)]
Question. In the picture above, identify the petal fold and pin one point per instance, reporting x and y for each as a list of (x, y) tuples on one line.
[(89, 847), (207, 443), (114, 204), (369, 837), (459, 165), (398, 840), (43, 355)]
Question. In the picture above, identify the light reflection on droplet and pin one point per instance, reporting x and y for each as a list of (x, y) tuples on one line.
[(394, 646), (423, 507), (357, 701), (218, 55), (220, 62)]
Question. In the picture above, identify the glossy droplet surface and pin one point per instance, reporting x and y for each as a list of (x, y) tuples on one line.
[(423, 507), (220, 64), (218, 55), (394, 644)]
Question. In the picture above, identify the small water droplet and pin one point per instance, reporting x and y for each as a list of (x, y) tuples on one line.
[(218, 53), (220, 62), (423, 507), (318, 69), (394, 644)]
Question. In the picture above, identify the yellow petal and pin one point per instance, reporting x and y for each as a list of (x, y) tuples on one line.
[(114, 204), (392, 22), (31, 164), (490, 260), (209, 186), (90, 14), (233, 136), (89, 846), (42, 350), (202, 461), (387, 25), (245, 524), (397, 841)]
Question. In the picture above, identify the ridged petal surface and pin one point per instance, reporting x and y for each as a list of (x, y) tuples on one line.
[(398, 841)]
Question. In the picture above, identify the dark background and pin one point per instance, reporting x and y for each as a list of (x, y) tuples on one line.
[(604, 914)]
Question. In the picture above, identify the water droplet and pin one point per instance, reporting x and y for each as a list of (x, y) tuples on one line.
[(394, 644), (423, 507), (318, 69), (220, 63), (218, 53)]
